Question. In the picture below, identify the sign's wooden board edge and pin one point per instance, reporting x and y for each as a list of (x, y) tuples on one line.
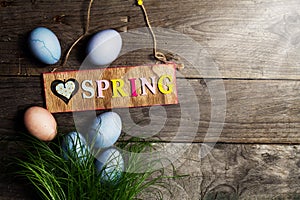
[(113, 67)]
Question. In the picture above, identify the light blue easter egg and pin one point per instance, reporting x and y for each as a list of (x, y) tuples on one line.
[(74, 146), (44, 45), (105, 130), (110, 165), (104, 47)]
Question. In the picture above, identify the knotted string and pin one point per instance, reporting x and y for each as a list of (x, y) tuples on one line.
[(158, 55)]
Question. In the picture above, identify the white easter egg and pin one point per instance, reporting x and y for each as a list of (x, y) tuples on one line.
[(44, 45), (110, 165), (104, 47), (74, 145), (105, 130)]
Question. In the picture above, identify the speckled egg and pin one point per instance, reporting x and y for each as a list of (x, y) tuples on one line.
[(40, 123), (104, 47), (74, 146), (105, 130), (44, 45), (110, 165)]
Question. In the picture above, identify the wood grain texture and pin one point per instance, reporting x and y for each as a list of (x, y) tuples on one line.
[(239, 55), (256, 111), (237, 172), (244, 39), (228, 171), (115, 87)]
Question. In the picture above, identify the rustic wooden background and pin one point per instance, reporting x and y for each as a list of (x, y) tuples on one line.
[(256, 47)]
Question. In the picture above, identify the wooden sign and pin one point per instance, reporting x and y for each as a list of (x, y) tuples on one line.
[(109, 88)]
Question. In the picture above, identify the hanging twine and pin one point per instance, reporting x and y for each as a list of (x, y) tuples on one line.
[(158, 55), (83, 35), (86, 30)]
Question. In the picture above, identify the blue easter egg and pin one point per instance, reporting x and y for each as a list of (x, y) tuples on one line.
[(105, 130), (74, 146), (44, 45), (110, 165), (104, 47)]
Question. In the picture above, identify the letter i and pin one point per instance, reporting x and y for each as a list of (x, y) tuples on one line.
[(133, 87)]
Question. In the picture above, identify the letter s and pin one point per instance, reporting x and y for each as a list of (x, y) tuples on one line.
[(87, 86)]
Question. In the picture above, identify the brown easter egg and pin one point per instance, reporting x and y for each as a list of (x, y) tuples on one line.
[(40, 123)]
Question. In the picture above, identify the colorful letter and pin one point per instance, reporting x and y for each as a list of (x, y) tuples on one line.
[(161, 84), (117, 87), (100, 88), (88, 89), (133, 87), (144, 82)]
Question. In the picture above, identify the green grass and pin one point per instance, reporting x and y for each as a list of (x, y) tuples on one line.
[(56, 178)]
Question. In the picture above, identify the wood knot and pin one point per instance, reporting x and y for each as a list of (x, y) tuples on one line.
[(59, 18), (5, 3)]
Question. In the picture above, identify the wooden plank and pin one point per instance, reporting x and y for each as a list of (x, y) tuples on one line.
[(229, 171), (116, 87), (257, 111), (237, 172), (244, 39), (246, 42), (11, 186)]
